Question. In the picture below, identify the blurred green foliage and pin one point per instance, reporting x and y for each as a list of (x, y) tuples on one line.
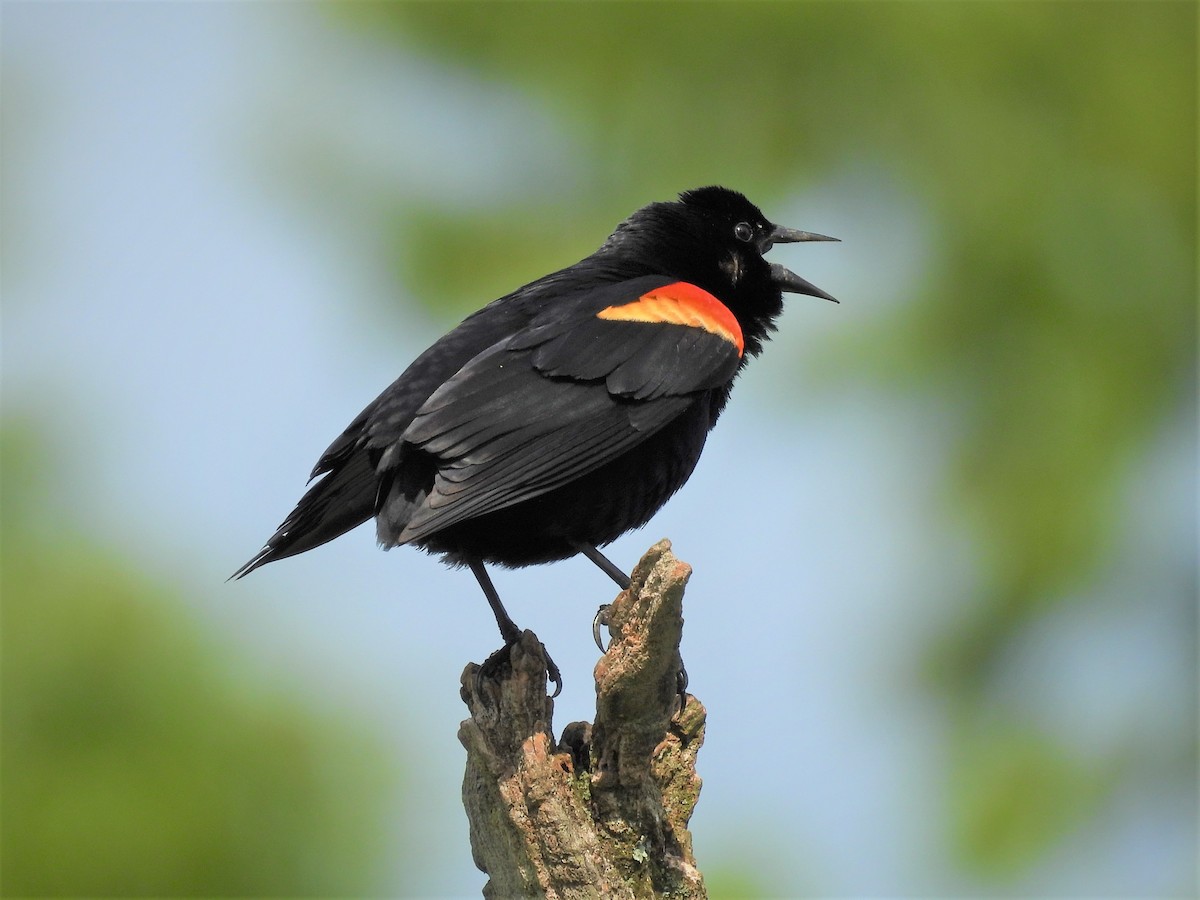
[(726, 884), (139, 757), (1016, 792), (1053, 147)]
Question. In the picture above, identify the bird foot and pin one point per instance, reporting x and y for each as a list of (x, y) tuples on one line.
[(499, 664)]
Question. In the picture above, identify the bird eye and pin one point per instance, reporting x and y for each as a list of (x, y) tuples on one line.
[(743, 231)]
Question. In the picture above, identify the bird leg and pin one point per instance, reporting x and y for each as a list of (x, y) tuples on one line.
[(508, 628), (610, 569), (606, 565), (509, 631)]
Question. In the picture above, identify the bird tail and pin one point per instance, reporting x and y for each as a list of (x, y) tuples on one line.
[(343, 499)]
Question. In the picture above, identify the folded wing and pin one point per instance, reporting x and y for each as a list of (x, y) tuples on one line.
[(575, 389)]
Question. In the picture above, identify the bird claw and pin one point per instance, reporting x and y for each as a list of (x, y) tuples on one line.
[(601, 619), (495, 664), (552, 673)]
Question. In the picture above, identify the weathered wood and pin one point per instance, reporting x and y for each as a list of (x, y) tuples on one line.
[(603, 812)]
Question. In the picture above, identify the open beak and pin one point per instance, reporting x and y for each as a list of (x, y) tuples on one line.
[(788, 280)]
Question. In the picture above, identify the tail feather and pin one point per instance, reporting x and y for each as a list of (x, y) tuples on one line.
[(343, 499)]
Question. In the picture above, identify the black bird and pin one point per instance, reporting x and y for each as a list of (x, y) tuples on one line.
[(564, 414)]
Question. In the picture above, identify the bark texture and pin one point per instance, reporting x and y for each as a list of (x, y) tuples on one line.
[(604, 811)]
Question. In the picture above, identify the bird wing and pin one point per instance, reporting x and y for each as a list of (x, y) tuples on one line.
[(575, 389)]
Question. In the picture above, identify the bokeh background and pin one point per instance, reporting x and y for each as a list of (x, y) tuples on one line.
[(944, 608)]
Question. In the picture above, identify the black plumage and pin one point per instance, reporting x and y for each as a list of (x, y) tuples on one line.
[(566, 413)]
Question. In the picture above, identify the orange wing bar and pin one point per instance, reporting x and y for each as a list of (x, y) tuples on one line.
[(680, 304)]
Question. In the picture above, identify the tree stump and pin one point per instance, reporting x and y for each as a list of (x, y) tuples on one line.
[(604, 811)]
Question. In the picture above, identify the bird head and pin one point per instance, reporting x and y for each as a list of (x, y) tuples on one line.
[(716, 239)]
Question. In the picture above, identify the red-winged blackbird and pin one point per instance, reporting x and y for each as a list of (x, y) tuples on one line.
[(564, 414)]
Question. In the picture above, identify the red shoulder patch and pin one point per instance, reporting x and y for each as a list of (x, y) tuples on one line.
[(680, 304)]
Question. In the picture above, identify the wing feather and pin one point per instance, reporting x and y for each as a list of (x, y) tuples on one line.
[(563, 396)]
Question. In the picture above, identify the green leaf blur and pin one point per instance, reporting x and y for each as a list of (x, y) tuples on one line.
[(140, 758)]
